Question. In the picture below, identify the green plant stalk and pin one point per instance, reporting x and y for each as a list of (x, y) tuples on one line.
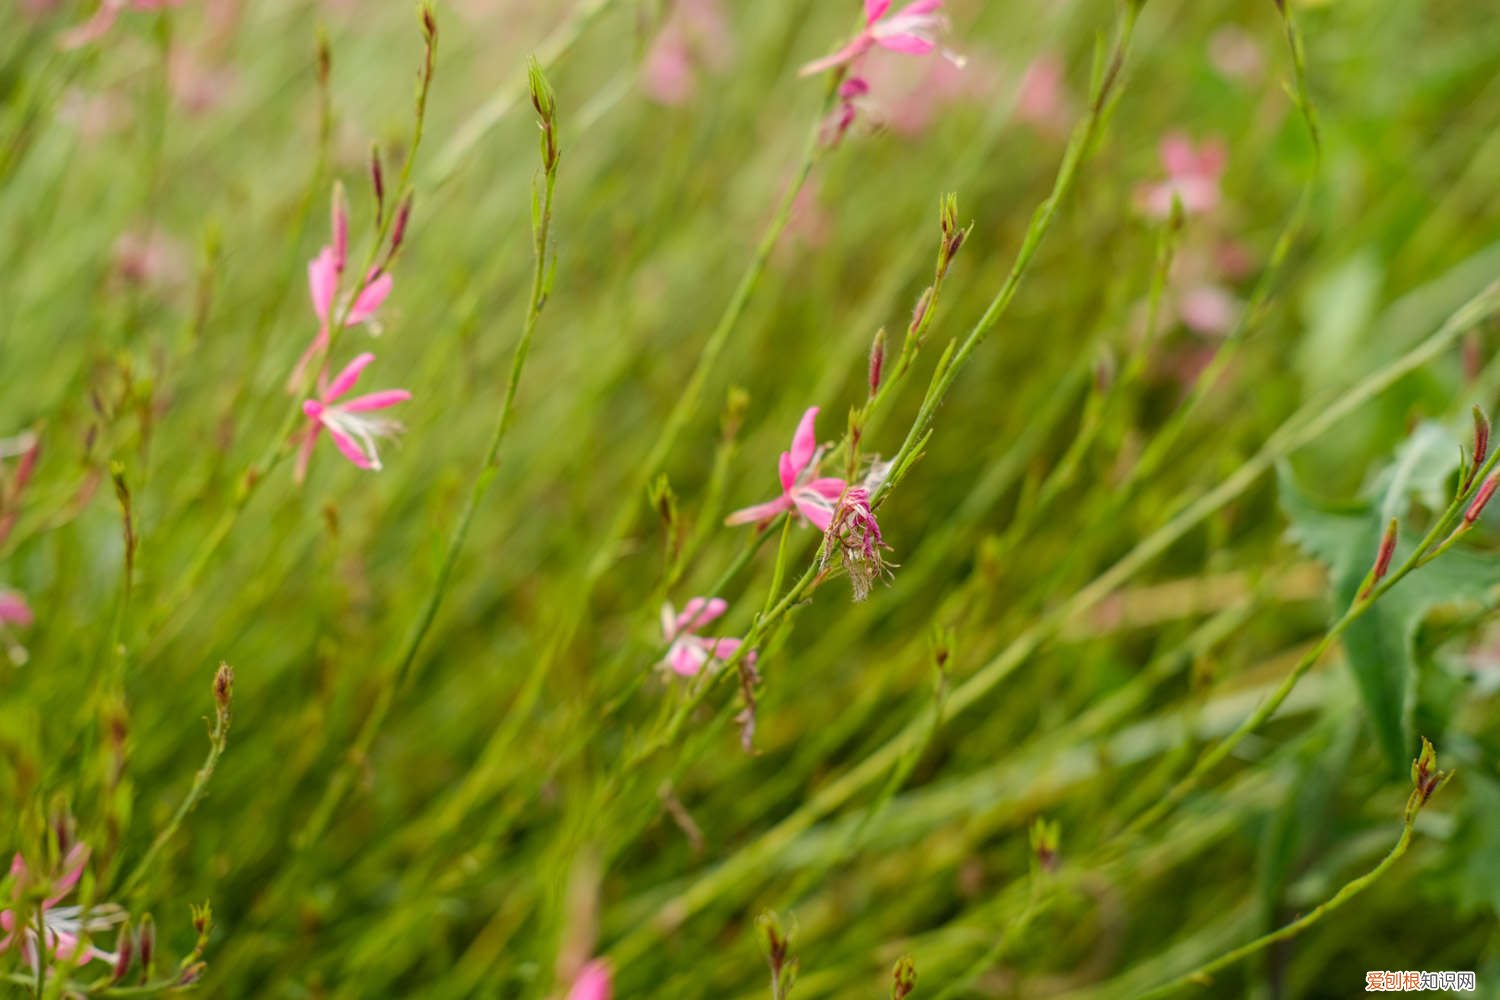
[(344, 776), (1439, 539), (1202, 976), (1302, 427), (218, 739), (280, 444)]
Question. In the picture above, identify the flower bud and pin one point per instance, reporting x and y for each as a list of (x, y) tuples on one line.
[(124, 952), (1382, 558), (903, 978), (1486, 490), (1046, 839), (1481, 437), (223, 687), (877, 360), (377, 182), (146, 943)]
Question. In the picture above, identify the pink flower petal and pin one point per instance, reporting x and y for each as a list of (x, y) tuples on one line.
[(593, 982), (760, 513), (370, 299), (828, 487), (14, 610), (721, 649), (875, 10), (322, 281), (686, 658), (914, 45), (699, 612), (350, 450), (818, 516), (919, 8), (344, 380), (1177, 154), (375, 400), (848, 53), (805, 441)]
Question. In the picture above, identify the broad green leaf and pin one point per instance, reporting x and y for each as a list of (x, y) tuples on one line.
[(1345, 536)]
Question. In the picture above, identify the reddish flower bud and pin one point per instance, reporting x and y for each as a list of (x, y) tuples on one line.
[(877, 360), (1382, 558), (340, 213), (1481, 437), (1486, 490)]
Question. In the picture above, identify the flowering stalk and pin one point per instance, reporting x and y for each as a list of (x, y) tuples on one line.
[(218, 739), (544, 102), (282, 443), (1426, 780)]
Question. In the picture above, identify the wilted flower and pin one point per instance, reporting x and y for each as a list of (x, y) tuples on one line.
[(98, 26), (855, 535), (801, 489), (912, 30), (593, 982), (1193, 173), (688, 652), (64, 925), (353, 433)]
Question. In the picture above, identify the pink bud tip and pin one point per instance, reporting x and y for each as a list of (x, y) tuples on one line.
[(1486, 490)]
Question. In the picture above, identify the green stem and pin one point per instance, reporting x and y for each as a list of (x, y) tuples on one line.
[(338, 786), (1202, 976)]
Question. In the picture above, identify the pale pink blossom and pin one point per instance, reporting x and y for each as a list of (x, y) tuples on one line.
[(694, 38), (104, 18), (1193, 175), (352, 431), (593, 982), (1209, 309), (65, 926), (687, 651), (14, 610), (1236, 55), (1041, 100), (802, 490), (912, 30), (325, 272)]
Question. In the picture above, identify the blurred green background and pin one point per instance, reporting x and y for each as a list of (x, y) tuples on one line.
[(160, 193)]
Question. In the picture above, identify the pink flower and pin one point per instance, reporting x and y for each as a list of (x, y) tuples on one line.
[(64, 925), (801, 490), (855, 535), (1041, 101), (1193, 174), (324, 272), (688, 652), (592, 982), (14, 610), (912, 30), (353, 433), (694, 37), (98, 26)]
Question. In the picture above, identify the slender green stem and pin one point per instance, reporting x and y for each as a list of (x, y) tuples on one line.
[(406, 660), (1203, 975)]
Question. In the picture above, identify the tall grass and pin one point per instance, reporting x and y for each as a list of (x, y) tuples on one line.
[(1188, 548)]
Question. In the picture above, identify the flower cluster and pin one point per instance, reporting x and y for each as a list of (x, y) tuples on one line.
[(66, 927), (351, 430), (802, 489), (687, 651)]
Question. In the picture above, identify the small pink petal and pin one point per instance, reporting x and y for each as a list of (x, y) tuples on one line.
[(875, 10), (15, 611), (350, 450), (344, 380), (698, 612), (828, 487), (759, 513), (322, 281), (848, 53), (375, 400), (818, 515), (721, 649), (805, 440), (686, 658), (914, 45), (1177, 154), (370, 299), (593, 982)]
